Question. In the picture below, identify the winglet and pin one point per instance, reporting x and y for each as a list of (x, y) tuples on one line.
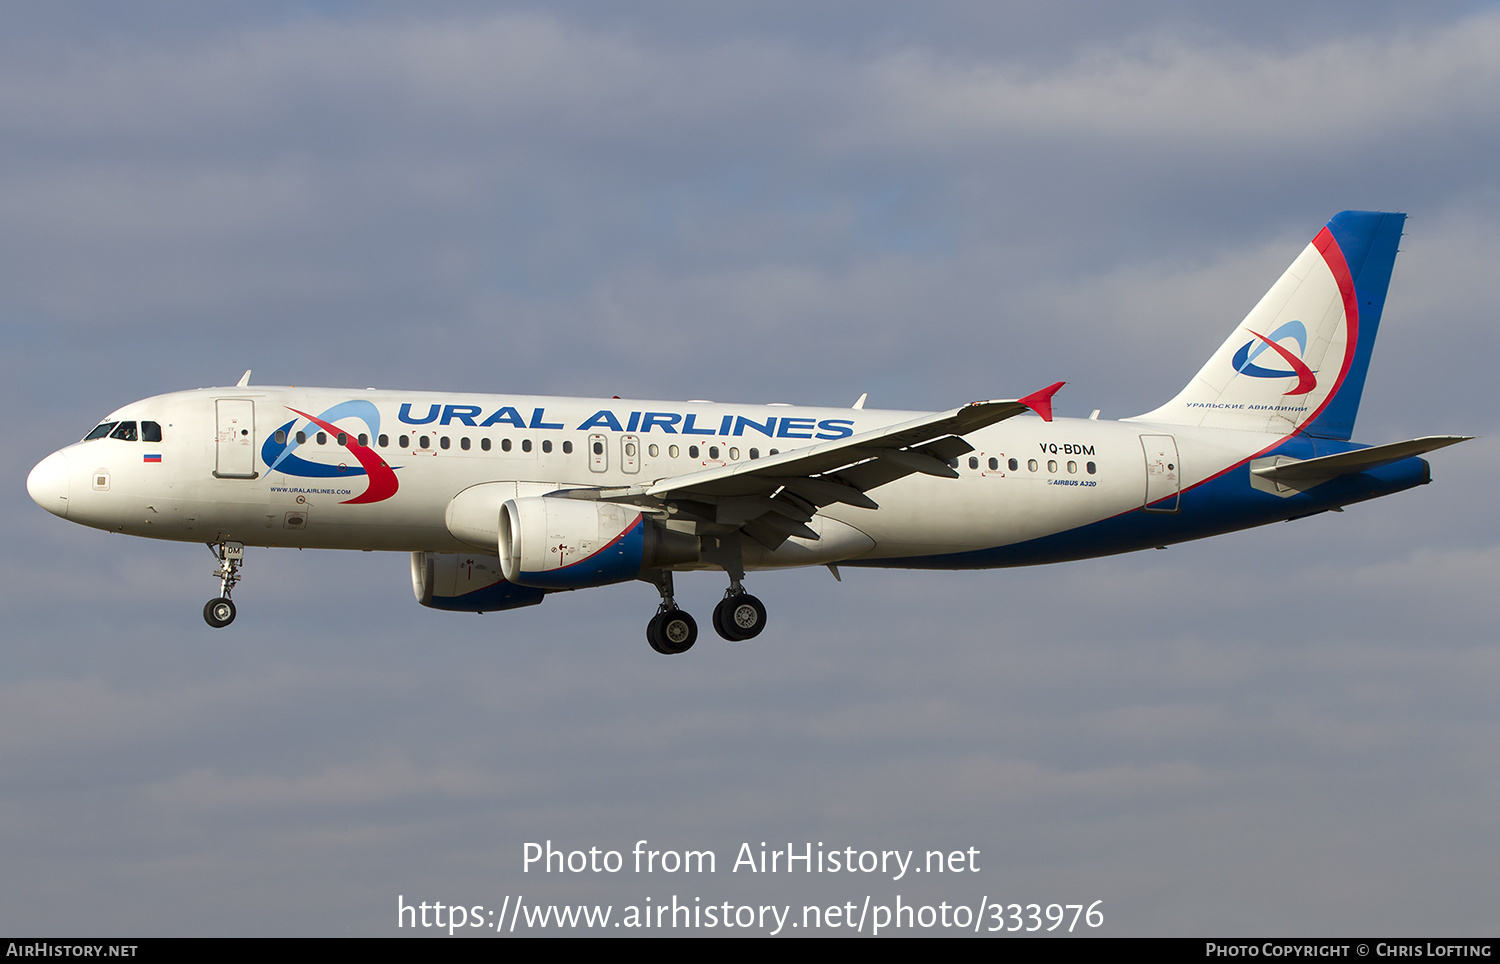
[(1041, 402), (244, 380)]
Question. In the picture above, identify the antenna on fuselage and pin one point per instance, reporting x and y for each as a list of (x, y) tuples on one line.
[(244, 380)]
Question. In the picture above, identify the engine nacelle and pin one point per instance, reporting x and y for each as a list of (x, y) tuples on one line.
[(467, 584), (558, 543)]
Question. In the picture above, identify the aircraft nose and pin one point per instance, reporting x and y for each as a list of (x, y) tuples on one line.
[(48, 484)]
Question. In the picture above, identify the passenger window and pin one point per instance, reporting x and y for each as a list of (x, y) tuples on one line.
[(505, 445), (384, 440), (322, 438), (672, 450), (125, 432), (281, 436), (364, 439), (463, 443), (1051, 465), (423, 441), (692, 451), (525, 445), (443, 443), (734, 454), (484, 443), (301, 437), (630, 450), (1090, 468), (405, 441), (713, 451), (567, 448), (653, 450), (546, 445), (1014, 465), (994, 464), (100, 431), (150, 432), (343, 438), (1031, 465), (973, 462), (1072, 467), (755, 453)]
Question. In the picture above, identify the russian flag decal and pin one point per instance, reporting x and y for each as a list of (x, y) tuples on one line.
[(152, 457)]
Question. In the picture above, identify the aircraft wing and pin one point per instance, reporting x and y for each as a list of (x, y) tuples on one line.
[(775, 497)]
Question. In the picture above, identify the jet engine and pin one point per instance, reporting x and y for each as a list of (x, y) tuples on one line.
[(466, 584), (561, 543)]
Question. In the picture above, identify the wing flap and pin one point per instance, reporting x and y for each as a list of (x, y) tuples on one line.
[(825, 491)]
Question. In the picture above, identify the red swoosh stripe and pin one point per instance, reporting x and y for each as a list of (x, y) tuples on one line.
[(1333, 256), (383, 482), (1306, 380)]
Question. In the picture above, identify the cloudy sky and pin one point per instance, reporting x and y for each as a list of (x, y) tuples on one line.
[(1286, 731)]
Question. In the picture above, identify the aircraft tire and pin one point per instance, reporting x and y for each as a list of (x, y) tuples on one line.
[(653, 635), (739, 617), (718, 621), (672, 632), (218, 613)]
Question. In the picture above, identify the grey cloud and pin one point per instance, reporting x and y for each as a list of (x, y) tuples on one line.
[(1279, 731)]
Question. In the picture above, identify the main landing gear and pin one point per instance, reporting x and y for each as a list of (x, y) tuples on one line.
[(219, 612), (738, 616), (670, 631)]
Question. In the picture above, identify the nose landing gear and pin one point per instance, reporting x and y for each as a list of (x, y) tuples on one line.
[(219, 612)]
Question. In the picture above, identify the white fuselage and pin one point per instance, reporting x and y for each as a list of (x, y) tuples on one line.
[(1026, 478)]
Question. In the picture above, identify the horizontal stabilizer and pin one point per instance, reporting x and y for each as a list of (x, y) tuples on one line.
[(1346, 463)]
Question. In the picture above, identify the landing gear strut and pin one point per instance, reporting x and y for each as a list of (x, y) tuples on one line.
[(738, 615), (219, 612), (670, 631)]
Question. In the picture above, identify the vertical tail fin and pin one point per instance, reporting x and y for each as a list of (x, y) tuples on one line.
[(1297, 363)]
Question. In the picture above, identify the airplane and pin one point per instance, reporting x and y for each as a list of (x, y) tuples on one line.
[(504, 499)]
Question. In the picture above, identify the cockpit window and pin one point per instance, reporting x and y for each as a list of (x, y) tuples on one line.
[(125, 432), (150, 432), (103, 430)]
